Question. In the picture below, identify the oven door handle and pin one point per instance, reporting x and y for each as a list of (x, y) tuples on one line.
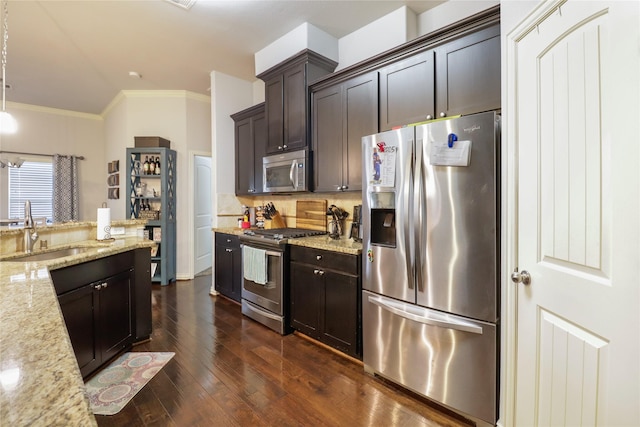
[(268, 252)]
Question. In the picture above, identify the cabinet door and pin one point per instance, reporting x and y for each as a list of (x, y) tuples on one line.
[(259, 150), (79, 308), (360, 119), (327, 139), (295, 108), (407, 91), (468, 74), (274, 110), (306, 298), (115, 313), (244, 157), (224, 270), (340, 314), (236, 271)]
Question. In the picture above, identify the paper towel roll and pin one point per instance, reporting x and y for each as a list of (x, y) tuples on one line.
[(104, 223)]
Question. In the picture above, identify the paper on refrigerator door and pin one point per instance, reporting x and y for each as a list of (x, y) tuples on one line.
[(457, 155), (383, 165)]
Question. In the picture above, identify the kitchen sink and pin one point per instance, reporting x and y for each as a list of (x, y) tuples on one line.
[(44, 256)]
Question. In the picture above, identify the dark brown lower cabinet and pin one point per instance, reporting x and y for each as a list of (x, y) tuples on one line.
[(228, 266), (98, 302), (325, 298)]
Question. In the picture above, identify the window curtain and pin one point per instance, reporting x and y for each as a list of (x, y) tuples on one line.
[(65, 188)]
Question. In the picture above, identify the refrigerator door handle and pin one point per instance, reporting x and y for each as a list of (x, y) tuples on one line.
[(418, 211), (408, 202), (426, 317)]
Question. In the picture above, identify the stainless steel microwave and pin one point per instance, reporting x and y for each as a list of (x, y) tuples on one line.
[(285, 172)]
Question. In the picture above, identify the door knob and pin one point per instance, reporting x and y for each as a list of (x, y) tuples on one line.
[(524, 277)]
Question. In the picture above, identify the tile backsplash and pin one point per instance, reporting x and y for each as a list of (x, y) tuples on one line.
[(230, 206)]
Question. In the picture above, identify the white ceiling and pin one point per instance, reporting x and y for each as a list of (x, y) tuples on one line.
[(76, 55)]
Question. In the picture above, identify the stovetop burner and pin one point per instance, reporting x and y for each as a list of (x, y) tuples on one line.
[(277, 236)]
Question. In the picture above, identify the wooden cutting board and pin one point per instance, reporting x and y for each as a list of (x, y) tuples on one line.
[(311, 214)]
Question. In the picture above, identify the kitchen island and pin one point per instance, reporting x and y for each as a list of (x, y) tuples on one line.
[(40, 383)]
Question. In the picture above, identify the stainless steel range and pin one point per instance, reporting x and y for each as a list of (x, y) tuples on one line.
[(266, 299)]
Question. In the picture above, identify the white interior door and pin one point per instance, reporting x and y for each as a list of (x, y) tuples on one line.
[(202, 208), (577, 136)]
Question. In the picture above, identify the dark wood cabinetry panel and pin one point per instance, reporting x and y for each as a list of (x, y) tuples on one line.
[(325, 297), (407, 91), (228, 266), (250, 147), (306, 299), (98, 315), (81, 319), (327, 139), (339, 322), (287, 99), (468, 74), (342, 115)]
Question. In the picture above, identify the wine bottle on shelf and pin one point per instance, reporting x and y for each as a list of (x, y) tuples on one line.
[(145, 166), (152, 166), (157, 170)]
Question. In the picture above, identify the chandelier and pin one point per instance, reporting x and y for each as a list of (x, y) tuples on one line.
[(7, 123)]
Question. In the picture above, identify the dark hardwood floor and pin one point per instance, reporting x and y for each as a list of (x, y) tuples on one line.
[(231, 371)]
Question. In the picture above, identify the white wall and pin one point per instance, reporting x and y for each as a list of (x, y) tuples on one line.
[(385, 33), (305, 36), (181, 117), (228, 96), (52, 131), (449, 12)]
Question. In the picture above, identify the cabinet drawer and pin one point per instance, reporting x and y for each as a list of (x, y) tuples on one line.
[(75, 276), (346, 263), (227, 240)]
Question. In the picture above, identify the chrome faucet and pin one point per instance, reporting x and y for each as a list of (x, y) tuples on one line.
[(30, 237)]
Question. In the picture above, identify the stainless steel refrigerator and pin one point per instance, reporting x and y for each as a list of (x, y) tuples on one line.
[(430, 304)]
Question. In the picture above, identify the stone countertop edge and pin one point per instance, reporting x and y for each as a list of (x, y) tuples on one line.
[(43, 385), (5, 230), (343, 245)]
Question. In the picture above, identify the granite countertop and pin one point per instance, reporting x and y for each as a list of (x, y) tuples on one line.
[(41, 384), (342, 245), (11, 230)]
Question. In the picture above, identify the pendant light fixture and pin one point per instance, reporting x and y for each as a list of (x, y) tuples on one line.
[(7, 123)]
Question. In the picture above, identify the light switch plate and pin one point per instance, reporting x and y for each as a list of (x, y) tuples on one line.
[(117, 231)]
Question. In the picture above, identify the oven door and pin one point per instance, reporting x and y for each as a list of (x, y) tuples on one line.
[(269, 295)]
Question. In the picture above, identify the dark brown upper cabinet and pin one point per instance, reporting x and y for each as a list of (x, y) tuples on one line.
[(250, 148), (342, 115), (468, 74), (407, 91), (458, 77), (287, 104)]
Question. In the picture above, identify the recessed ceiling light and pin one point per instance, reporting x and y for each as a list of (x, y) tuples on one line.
[(185, 4), (135, 75)]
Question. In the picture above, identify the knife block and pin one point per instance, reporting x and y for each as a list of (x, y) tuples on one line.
[(277, 221)]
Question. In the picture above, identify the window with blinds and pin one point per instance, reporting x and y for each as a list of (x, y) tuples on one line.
[(32, 181)]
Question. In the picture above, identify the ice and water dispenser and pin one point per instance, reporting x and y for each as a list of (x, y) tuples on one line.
[(383, 218)]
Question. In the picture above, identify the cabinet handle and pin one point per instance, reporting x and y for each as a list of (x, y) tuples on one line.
[(315, 271), (279, 147), (443, 114), (228, 250), (104, 285), (339, 187), (429, 117), (318, 257), (97, 287), (285, 146), (228, 240), (345, 187), (320, 272)]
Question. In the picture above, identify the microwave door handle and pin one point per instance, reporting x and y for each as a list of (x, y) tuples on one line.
[(294, 183)]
